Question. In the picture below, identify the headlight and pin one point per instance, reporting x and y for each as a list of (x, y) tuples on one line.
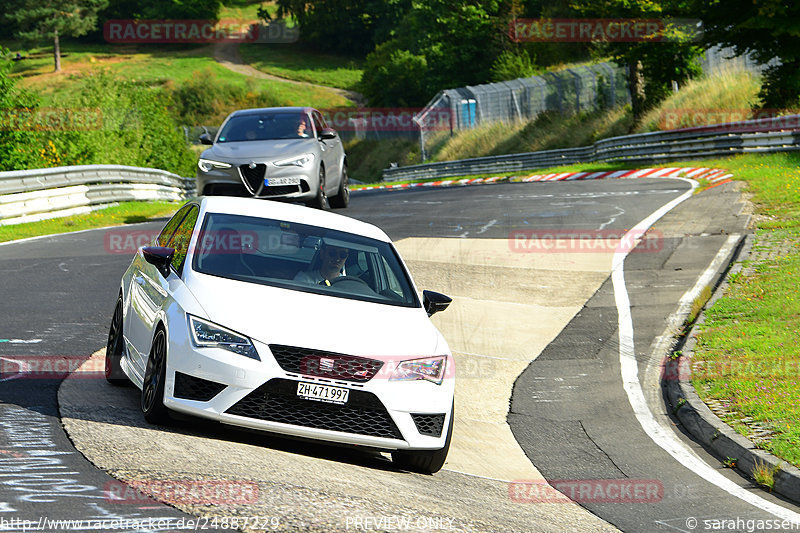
[(207, 164), (298, 161), (209, 335), (429, 369)]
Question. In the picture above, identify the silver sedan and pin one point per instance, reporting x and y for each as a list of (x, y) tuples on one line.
[(276, 153)]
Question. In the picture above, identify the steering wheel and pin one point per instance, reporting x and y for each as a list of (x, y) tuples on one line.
[(345, 279)]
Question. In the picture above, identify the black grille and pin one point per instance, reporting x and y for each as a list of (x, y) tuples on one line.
[(277, 401), (277, 190), (325, 364), (429, 424), (192, 388), (253, 177)]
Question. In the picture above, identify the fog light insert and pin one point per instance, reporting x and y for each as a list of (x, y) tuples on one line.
[(430, 425)]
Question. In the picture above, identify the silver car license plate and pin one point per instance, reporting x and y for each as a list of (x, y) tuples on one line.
[(322, 393), (275, 182)]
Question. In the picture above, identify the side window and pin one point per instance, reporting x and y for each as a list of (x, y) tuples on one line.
[(318, 122), (180, 239), (394, 285), (169, 229)]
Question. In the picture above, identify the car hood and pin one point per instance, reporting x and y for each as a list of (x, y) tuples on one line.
[(281, 316), (279, 148)]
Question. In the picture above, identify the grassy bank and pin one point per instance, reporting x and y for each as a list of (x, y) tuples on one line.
[(747, 360), (124, 213)]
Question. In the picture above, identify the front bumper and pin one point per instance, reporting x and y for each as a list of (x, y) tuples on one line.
[(240, 179), (233, 389)]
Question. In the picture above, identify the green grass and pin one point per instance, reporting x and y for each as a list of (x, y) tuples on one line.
[(547, 132), (293, 62), (726, 97), (158, 65), (124, 213), (748, 343)]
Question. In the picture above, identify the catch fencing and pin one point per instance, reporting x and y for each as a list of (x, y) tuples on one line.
[(30, 195), (572, 90), (779, 134)]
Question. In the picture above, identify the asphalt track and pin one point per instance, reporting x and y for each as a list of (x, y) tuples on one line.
[(568, 411)]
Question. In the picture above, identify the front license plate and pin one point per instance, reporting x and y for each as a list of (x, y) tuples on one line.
[(322, 393), (276, 182)]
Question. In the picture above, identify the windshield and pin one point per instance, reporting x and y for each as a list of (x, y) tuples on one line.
[(265, 126), (302, 257)]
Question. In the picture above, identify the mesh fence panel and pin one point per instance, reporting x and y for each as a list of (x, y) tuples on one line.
[(583, 88)]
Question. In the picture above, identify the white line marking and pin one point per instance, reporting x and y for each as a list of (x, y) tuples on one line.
[(629, 370), (487, 226)]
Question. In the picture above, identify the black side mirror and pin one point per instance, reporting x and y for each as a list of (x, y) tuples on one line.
[(433, 302), (206, 139), (327, 133), (160, 257)]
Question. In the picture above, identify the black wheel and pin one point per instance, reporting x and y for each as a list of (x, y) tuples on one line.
[(342, 198), (321, 200), (426, 461), (114, 373), (155, 375)]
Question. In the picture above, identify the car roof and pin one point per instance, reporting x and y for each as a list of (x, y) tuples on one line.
[(291, 213), (272, 110)]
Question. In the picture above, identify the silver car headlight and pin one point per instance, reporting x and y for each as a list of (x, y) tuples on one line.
[(207, 164), (429, 369), (206, 334), (297, 161)]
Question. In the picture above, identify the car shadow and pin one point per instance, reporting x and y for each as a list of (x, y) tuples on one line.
[(120, 407)]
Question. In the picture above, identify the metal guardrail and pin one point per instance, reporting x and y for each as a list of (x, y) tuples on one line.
[(780, 134), (29, 195)]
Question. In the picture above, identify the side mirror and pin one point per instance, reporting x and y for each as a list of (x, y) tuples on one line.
[(327, 133), (160, 257), (206, 139), (433, 302)]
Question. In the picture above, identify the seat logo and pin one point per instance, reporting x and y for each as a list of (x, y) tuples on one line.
[(326, 364)]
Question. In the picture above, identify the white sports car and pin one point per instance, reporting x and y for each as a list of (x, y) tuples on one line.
[(285, 319)]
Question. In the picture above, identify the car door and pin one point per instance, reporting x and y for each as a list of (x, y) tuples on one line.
[(331, 150), (150, 290)]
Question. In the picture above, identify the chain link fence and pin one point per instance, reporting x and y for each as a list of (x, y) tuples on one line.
[(572, 90)]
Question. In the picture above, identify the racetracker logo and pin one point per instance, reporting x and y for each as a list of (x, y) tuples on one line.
[(51, 119), (191, 492), (123, 241), (587, 491), (728, 120), (605, 30), (197, 31), (50, 367), (585, 241), (366, 119)]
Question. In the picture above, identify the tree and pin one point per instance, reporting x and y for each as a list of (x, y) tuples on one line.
[(41, 19), (652, 65), (767, 29), (352, 27)]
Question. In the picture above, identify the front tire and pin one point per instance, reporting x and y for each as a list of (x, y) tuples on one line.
[(155, 375), (114, 346), (425, 461), (321, 200), (342, 198)]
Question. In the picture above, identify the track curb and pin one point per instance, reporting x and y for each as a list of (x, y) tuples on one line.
[(714, 175), (700, 422)]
